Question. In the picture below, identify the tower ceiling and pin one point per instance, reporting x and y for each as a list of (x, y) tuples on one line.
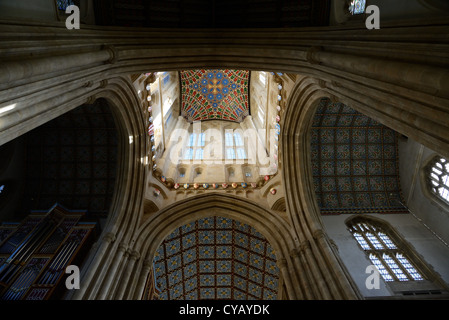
[(214, 95)]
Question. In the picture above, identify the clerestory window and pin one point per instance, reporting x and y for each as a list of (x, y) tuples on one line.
[(195, 146), (438, 178), (235, 147), (385, 252)]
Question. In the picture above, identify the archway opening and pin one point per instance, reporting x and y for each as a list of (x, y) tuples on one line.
[(60, 182), (215, 258)]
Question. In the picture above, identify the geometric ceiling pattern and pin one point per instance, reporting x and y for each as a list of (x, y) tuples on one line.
[(72, 160), (354, 162), (216, 258), (214, 95)]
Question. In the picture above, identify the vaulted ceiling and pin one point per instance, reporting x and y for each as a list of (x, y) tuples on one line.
[(214, 95), (354, 162), (216, 258)]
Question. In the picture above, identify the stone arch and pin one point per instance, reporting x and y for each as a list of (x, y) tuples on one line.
[(327, 271), (279, 205), (411, 97), (128, 196), (275, 229), (301, 204), (429, 276)]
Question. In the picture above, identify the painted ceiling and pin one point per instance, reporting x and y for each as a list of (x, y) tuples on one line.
[(216, 258), (354, 162), (214, 95)]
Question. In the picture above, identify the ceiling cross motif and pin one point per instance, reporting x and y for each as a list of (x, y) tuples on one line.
[(214, 95)]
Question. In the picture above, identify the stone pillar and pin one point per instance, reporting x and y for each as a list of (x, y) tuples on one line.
[(282, 264), (124, 283), (88, 277), (144, 273), (118, 280), (112, 271), (318, 279), (302, 274), (346, 290)]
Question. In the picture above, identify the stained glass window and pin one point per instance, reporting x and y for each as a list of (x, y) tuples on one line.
[(384, 253), (439, 178), (63, 4), (357, 7)]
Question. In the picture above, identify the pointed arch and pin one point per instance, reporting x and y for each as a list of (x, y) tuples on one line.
[(401, 267), (273, 227)]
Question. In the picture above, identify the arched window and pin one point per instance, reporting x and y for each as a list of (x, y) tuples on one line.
[(384, 250), (192, 140), (238, 139), (195, 144), (235, 146), (202, 140), (357, 7), (230, 153), (199, 154), (189, 154), (241, 154), (63, 4), (438, 177), (229, 139)]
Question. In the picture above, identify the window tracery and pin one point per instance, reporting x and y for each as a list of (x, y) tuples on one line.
[(384, 251)]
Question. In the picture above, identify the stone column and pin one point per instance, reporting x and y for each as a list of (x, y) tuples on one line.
[(112, 272), (346, 290), (315, 270), (134, 256), (117, 280), (144, 273), (282, 264), (302, 274), (88, 277)]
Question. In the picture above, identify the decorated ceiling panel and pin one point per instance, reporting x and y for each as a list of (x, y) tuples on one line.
[(214, 95), (354, 162), (216, 258)]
